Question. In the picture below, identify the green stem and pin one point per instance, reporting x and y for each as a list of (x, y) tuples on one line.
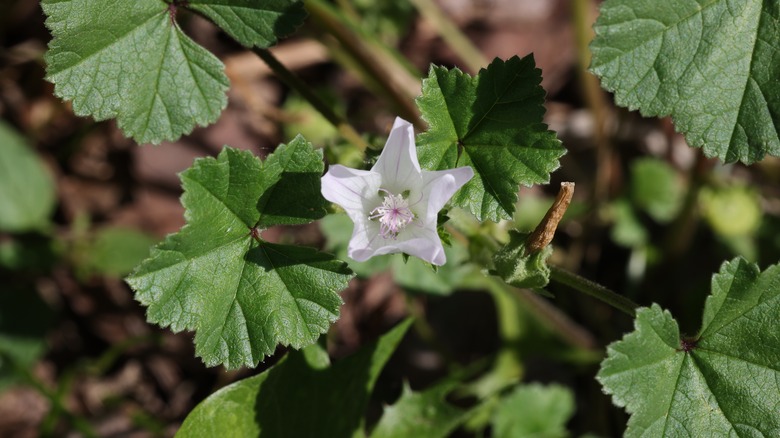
[(457, 41), (593, 289), (294, 82), (407, 75)]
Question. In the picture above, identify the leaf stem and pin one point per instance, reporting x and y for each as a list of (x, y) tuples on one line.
[(294, 82), (593, 289)]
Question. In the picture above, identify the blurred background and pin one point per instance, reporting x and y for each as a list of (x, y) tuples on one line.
[(651, 217)]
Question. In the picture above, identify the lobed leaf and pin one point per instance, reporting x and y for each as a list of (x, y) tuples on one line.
[(534, 410), (244, 296), (710, 64), (493, 123), (253, 23), (300, 396), (129, 60), (723, 382), (424, 414)]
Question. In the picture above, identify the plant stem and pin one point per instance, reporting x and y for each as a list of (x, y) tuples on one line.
[(407, 75), (457, 41), (593, 289), (294, 82)]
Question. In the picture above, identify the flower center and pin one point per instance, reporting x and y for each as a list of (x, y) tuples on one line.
[(394, 215)]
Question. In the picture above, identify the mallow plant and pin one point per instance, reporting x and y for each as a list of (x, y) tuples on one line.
[(443, 199)]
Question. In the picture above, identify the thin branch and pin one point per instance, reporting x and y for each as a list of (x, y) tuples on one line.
[(582, 284), (345, 129)]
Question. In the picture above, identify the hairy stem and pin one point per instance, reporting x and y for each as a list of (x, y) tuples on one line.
[(582, 284)]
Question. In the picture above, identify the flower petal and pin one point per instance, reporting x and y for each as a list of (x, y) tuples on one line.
[(352, 189), (439, 186), (362, 243), (425, 244), (421, 242), (398, 161)]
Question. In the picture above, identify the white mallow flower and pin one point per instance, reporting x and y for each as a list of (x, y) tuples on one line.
[(395, 204)]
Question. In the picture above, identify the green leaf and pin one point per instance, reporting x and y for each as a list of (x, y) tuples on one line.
[(299, 397), (723, 382), (710, 64), (24, 320), (421, 414), (493, 123), (731, 211), (113, 251), (656, 189), (243, 296), (250, 22), (130, 61), (292, 177), (627, 229), (534, 411), (521, 269), (26, 188)]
